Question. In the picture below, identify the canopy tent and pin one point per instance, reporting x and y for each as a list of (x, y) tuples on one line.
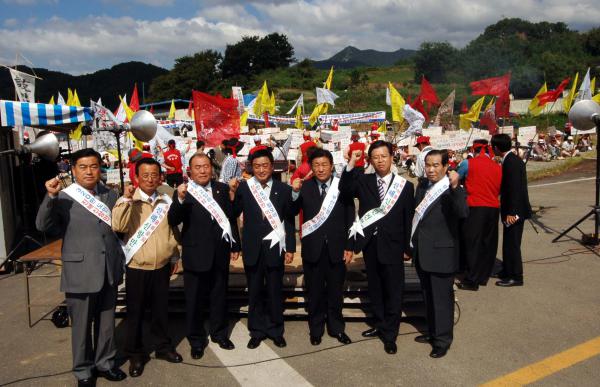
[(14, 113)]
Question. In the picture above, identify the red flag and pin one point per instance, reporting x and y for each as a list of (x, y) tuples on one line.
[(216, 118), (418, 105), (428, 93), (503, 105), (151, 108), (134, 102), (408, 99), (464, 108), (553, 95), (491, 86), (266, 117)]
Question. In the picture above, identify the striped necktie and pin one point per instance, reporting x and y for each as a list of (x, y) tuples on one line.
[(381, 188)]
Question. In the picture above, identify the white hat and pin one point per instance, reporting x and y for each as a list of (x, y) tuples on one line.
[(257, 138), (570, 138)]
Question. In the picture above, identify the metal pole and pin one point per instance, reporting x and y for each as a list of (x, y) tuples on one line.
[(117, 135)]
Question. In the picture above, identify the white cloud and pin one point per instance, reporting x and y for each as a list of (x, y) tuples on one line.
[(316, 28)]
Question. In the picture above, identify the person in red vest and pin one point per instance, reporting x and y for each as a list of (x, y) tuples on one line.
[(356, 145), (173, 164), (335, 126), (483, 177), (308, 143)]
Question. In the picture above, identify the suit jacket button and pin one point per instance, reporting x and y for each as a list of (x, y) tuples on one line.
[(102, 251)]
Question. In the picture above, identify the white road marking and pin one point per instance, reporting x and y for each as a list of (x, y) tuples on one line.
[(562, 182), (274, 373)]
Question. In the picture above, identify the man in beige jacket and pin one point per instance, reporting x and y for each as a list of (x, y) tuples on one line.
[(140, 214)]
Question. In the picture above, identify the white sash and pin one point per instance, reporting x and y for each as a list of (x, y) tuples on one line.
[(331, 197), (431, 196), (89, 202), (211, 205), (372, 216), (268, 210), (144, 232)]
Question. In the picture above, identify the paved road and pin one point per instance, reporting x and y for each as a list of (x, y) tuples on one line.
[(500, 330)]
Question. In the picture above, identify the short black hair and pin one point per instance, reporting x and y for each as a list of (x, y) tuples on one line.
[(200, 143), (319, 152), (145, 161), (86, 152), (481, 141), (310, 151), (438, 152), (379, 144), (171, 142), (262, 153), (502, 142), (198, 154)]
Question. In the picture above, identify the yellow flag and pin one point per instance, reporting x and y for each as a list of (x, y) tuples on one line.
[(397, 104), (75, 134), (382, 128), (299, 122), (51, 102), (472, 115), (593, 86), (261, 98), (490, 104), (329, 79), (139, 145), (244, 118), (596, 98), (69, 97), (318, 110), (568, 101), (271, 108), (534, 107), (172, 110), (113, 152)]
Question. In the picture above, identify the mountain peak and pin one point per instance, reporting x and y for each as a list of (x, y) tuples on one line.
[(351, 57)]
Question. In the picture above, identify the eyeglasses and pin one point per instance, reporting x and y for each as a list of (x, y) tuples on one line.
[(149, 176)]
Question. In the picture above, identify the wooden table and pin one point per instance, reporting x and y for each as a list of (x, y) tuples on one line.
[(49, 254)]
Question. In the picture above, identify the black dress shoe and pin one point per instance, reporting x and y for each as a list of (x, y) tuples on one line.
[(423, 339), (89, 382), (509, 282), (114, 375), (438, 352), (224, 343), (315, 340), (468, 286), (373, 332), (279, 341), (343, 338), (136, 367), (171, 356), (390, 347), (499, 275), (254, 342), (197, 353)]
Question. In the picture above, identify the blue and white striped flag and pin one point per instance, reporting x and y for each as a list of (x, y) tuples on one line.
[(39, 114)]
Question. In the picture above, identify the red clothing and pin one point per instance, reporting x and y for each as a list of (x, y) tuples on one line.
[(358, 146), (301, 172), (132, 177), (484, 177), (304, 147), (173, 159)]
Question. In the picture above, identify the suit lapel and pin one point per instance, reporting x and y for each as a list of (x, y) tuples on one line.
[(372, 186)]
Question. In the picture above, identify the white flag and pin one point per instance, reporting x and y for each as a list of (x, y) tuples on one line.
[(585, 91), (415, 121), (24, 85), (60, 100), (299, 102), (326, 96), (388, 98), (237, 94), (103, 113), (121, 113)]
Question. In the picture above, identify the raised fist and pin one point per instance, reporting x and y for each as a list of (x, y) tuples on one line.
[(181, 190), (53, 186), (296, 185), (129, 190), (234, 184)]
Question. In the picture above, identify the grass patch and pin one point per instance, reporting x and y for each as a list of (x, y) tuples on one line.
[(559, 166)]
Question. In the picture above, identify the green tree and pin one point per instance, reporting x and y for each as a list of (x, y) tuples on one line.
[(199, 72), (433, 60)]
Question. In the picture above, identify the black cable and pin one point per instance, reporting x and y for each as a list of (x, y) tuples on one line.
[(34, 377)]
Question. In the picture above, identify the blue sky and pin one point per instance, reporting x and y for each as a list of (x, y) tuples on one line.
[(84, 36)]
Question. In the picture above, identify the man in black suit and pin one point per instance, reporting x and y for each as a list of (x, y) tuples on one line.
[(207, 249), (269, 240), (514, 209), (384, 240), (441, 204), (326, 248)]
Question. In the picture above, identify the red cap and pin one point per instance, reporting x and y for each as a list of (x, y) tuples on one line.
[(422, 140)]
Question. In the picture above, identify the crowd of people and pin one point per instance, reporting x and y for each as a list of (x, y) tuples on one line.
[(445, 224)]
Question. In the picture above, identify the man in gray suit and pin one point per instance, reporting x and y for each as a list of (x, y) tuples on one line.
[(92, 262)]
